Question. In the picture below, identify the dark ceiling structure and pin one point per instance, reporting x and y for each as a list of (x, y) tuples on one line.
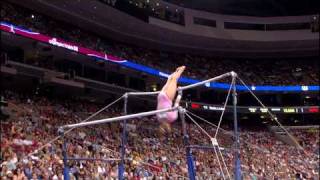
[(262, 8), (110, 23)]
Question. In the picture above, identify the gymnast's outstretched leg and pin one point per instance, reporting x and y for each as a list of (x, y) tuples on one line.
[(166, 97)]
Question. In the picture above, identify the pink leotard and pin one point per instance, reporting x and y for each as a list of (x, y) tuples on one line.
[(163, 103)]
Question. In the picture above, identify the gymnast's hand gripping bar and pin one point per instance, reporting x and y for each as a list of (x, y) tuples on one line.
[(120, 118)]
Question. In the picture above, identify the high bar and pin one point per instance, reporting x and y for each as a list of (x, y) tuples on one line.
[(183, 87), (205, 81), (120, 118)]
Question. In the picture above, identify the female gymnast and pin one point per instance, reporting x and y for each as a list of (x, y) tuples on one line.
[(165, 100)]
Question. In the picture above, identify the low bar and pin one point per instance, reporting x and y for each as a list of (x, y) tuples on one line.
[(204, 82), (202, 147), (94, 159), (120, 118), (142, 93)]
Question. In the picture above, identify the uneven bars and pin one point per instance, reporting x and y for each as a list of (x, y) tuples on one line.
[(206, 81), (120, 118), (143, 114)]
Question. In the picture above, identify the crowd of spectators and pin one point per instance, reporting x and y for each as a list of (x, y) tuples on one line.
[(262, 72), (34, 121)]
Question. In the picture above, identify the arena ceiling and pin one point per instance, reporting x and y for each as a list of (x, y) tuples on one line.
[(262, 8)]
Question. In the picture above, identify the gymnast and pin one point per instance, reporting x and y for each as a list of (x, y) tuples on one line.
[(166, 98)]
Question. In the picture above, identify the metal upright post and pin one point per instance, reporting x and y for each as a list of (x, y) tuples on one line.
[(190, 162), (123, 140), (66, 175), (237, 172), (121, 167)]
